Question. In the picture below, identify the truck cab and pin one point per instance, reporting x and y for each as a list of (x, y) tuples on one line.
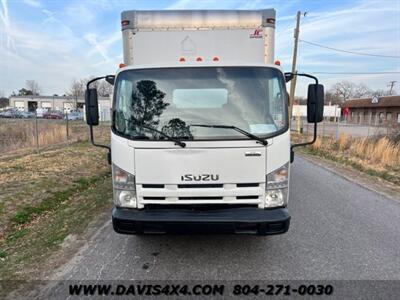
[(200, 135)]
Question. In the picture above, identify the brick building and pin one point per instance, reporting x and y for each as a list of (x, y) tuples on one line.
[(373, 111)]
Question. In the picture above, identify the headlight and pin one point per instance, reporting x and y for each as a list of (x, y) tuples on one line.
[(276, 192), (124, 188)]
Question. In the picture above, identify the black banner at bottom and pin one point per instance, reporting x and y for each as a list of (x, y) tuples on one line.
[(178, 289)]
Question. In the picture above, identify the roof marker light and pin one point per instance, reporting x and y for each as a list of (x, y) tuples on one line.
[(199, 59), (121, 65), (125, 22), (215, 58), (277, 62), (182, 59)]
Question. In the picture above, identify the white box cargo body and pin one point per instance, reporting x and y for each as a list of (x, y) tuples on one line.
[(163, 37), (200, 133)]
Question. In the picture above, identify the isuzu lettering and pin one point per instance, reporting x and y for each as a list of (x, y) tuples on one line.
[(200, 137)]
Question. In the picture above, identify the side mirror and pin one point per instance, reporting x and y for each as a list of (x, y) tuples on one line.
[(289, 76), (110, 79), (91, 107), (315, 103)]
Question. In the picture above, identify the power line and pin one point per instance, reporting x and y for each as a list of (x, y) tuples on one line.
[(347, 51)]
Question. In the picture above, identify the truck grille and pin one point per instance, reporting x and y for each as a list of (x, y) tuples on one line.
[(209, 193)]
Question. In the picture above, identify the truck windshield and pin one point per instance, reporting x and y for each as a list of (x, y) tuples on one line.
[(171, 99)]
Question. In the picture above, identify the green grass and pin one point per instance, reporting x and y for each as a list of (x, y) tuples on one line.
[(28, 213), (16, 235), (27, 248)]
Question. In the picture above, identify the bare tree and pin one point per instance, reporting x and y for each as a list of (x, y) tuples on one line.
[(381, 92), (76, 90), (332, 97), (104, 89), (33, 86), (361, 91), (344, 90)]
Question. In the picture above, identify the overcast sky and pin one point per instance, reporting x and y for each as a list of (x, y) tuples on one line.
[(55, 41)]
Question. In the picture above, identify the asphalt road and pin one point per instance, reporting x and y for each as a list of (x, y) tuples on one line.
[(339, 230)]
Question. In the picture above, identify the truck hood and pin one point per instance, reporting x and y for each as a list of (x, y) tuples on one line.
[(200, 165)]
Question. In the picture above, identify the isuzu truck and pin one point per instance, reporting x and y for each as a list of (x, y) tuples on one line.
[(200, 137)]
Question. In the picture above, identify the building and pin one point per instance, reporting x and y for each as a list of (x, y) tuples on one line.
[(60, 103), (330, 111), (373, 111)]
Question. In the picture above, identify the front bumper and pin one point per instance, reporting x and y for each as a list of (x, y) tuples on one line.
[(228, 220)]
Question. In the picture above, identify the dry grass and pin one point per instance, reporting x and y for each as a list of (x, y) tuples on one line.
[(45, 198), (19, 134), (382, 152), (377, 156)]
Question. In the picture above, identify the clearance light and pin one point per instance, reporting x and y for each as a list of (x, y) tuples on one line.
[(270, 20), (182, 59), (215, 58), (125, 22), (121, 65), (277, 62), (199, 59)]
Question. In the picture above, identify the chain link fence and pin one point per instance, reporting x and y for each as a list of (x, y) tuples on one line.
[(34, 134), (334, 127)]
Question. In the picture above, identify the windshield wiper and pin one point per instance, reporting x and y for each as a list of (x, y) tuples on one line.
[(176, 141), (244, 132)]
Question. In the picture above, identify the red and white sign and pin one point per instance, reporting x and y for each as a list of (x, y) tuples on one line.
[(256, 34)]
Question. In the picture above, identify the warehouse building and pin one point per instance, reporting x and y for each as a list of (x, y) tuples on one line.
[(59, 103), (373, 111)]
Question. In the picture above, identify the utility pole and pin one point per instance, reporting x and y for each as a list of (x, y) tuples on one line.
[(294, 61), (391, 85)]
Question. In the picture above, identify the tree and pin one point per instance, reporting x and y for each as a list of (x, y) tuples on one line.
[(24, 92), (147, 105), (104, 89), (33, 86), (345, 90), (381, 93), (361, 91), (76, 90), (332, 98), (4, 102), (177, 128)]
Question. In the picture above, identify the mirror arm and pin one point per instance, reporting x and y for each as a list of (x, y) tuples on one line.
[(315, 117), (91, 127)]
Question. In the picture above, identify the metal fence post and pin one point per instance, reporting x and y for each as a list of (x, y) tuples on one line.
[(369, 124), (37, 133), (67, 125)]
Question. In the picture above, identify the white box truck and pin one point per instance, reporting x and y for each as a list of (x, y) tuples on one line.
[(200, 135)]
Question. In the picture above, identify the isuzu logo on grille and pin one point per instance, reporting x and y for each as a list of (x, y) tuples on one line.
[(202, 177)]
